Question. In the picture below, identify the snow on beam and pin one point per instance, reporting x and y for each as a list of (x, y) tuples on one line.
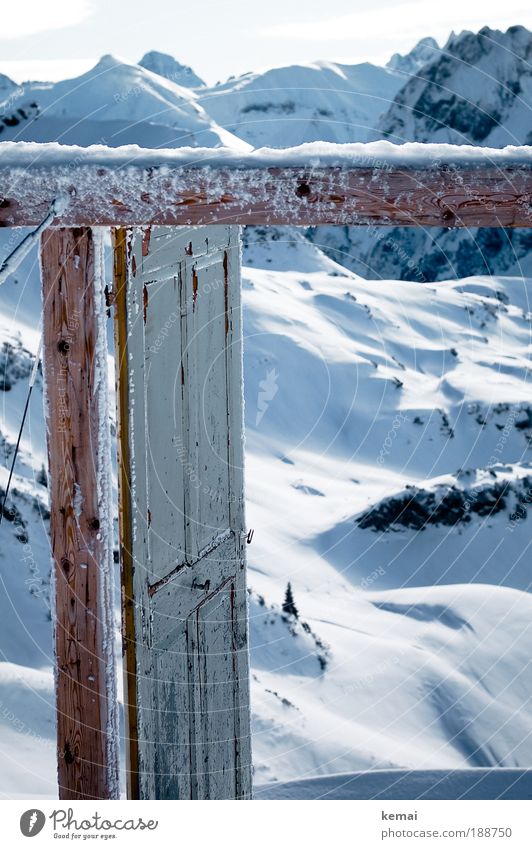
[(320, 183)]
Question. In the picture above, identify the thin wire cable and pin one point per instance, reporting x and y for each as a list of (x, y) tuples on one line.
[(33, 377), (9, 265)]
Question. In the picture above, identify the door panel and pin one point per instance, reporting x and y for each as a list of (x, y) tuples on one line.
[(164, 427), (187, 533), (206, 393)]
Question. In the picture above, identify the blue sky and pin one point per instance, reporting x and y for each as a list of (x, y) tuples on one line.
[(222, 37)]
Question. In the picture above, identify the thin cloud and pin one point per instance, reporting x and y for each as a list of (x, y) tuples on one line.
[(32, 16), (46, 70), (389, 23)]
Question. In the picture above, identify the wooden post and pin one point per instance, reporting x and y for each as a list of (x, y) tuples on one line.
[(74, 359)]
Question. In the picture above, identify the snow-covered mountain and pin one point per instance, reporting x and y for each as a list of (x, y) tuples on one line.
[(321, 101), (114, 103), (168, 67), (475, 90), (427, 255)]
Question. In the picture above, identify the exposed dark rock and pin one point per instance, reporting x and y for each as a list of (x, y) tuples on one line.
[(417, 508)]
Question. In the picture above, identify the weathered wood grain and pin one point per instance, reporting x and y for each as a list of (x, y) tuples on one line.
[(441, 195), (80, 524), (188, 675)]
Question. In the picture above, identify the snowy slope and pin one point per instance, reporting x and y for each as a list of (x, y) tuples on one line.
[(399, 784), (372, 388), (325, 354), (321, 101), (27, 729), (114, 103)]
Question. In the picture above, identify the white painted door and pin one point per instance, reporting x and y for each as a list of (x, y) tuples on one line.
[(183, 535)]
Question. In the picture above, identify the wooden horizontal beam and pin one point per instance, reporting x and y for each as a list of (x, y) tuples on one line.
[(449, 195)]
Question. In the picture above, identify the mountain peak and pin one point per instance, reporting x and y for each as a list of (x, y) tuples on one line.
[(408, 63), (108, 62), (168, 67), (114, 103)]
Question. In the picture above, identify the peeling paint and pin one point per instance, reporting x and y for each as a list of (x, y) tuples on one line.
[(194, 287), (153, 588), (188, 599), (146, 241)]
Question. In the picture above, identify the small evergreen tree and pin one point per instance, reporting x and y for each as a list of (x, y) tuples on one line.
[(289, 606), (42, 477)]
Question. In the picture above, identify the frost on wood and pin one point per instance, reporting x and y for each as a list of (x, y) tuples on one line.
[(105, 511), (318, 183)]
